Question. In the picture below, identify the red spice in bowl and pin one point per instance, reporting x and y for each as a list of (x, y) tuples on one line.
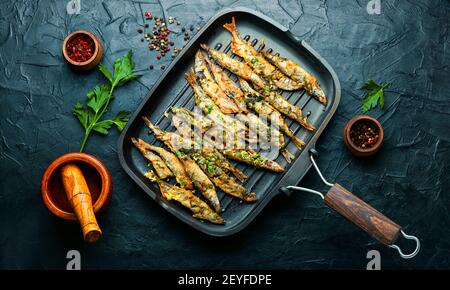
[(80, 48)]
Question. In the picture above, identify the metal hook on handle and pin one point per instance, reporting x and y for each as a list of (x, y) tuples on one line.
[(312, 153), (413, 254), (311, 156), (306, 189)]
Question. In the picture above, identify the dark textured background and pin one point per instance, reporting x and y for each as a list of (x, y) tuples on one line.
[(408, 180)]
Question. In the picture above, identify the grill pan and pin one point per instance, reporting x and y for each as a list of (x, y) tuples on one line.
[(172, 90)]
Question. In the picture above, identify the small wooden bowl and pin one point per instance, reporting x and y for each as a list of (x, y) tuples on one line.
[(90, 63), (356, 150), (97, 177)]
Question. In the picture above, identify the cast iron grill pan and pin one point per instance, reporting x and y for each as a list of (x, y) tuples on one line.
[(173, 90)]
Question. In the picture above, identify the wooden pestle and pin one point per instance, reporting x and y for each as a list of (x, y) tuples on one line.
[(80, 198)]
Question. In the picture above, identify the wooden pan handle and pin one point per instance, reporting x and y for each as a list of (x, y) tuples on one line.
[(363, 215), (80, 198)]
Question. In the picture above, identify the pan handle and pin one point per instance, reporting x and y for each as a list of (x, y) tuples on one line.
[(359, 212), (362, 214), (367, 218)]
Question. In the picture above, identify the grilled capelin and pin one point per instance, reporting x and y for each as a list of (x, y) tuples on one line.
[(158, 164), (247, 155), (227, 84), (204, 77), (183, 120), (288, 109), (171, 161), (257, 62), (227, 183), (231, 126), (187, 198), (235, 66), (256, 103), (267, 133), (198, 177), (252, 158), (296, 72), (198, 120)]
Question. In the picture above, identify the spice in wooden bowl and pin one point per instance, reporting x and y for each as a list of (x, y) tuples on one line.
[(363, 135), (82, 50)]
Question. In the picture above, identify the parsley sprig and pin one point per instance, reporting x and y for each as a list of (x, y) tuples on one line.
[(98, 99), (374, 94)]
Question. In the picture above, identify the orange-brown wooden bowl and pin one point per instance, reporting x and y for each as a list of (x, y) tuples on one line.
[(358, 151), (90, 63), (97, 177)]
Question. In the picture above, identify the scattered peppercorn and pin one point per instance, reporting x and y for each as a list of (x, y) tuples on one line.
[(183, 29), (151, 66), (191, 28), (163, 67)]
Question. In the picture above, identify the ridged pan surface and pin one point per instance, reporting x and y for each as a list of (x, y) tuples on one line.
[(172, 90)]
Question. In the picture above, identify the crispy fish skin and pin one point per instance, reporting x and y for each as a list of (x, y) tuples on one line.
[(172, 162), (267, 133), (227, 84), (288, 109), (182, 120), (209, 85), (196, 175), (247, 155), (252, 158), (227, 183), (158, 164), (187, 198), (235, 66), (257, 62), (296, 72), (198, 120), (256, 103), (236, 129)]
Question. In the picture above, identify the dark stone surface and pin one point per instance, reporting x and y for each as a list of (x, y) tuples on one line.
[(408, 180)]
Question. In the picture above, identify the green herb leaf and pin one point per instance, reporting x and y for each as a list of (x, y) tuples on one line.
[(180, 154), (254, 60), (105, 71), (81, 113), (102, 127), (374, 94), (98, 97), (211, 167), (121, 119), (124, 70), (209, 108)]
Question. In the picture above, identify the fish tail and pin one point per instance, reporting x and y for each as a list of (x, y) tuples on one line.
[(249, 197), (231, 27), (152, 127), (151, 175), (191, 78), (287, 155), (297, 141), (306, 125), (205, 47)]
